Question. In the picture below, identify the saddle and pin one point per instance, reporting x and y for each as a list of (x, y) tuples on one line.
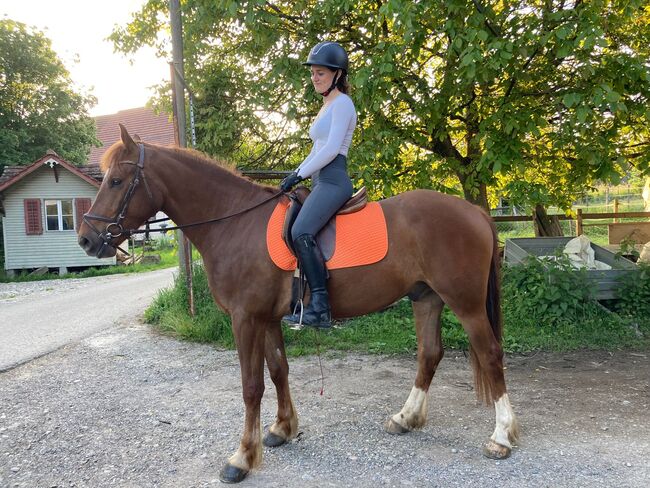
[(326, 238)]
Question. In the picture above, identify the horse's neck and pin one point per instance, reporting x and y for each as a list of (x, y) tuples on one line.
[(196, 191)]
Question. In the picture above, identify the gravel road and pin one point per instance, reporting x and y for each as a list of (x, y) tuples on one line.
[(41, 316), (131, 408)]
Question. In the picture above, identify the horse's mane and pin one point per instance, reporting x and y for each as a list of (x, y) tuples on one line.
[(117, 152), (204, 159)]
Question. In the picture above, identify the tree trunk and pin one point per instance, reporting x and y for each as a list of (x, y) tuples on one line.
[(480, 199), (546, 226)]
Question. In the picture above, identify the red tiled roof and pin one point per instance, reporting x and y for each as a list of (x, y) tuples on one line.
[(141, 121)]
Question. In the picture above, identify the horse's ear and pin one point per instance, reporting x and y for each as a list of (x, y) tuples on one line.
[(137, 138), (126, 139)]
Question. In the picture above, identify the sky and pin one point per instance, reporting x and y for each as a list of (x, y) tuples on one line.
[(78, 29)]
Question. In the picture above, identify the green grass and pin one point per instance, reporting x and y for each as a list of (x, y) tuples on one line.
[(168, 258), (392, 331)]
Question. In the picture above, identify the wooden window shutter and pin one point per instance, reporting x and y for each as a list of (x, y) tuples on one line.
[(82, 205), (33, 219)]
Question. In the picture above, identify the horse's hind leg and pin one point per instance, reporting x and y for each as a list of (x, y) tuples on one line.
[(487, 362), (427, 308), (286, 422)]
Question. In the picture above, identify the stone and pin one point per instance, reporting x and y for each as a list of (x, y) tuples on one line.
[(644, 257)]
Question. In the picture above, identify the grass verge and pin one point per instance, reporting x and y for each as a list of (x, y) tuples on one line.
[(168, 258), (586, 326)]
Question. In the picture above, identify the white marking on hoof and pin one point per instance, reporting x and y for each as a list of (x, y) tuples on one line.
[(414, 413), (506, 423), (394, 428), (291, 425), (245, 459), (493, 450), (238, 460)]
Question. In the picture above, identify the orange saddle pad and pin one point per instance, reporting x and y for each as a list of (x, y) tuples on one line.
[(361, 238)]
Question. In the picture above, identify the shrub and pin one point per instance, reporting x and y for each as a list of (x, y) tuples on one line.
[(169, 312), (634, 293), (547, 291)]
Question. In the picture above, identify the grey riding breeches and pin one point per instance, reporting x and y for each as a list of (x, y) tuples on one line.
[(331, 188)]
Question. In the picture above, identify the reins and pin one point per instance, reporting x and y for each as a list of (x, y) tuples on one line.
[(130, 232), (115, 223)]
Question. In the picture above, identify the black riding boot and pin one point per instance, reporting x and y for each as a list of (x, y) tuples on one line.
[(317, 313)]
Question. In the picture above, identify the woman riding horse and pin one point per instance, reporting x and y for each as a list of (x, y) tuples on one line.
[(326, 164)]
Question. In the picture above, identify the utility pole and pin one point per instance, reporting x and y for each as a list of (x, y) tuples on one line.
[(184, 245)]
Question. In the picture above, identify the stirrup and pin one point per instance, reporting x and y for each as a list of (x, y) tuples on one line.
[(294, 320)]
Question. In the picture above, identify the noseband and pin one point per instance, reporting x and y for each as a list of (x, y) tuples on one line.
[(115, 223)]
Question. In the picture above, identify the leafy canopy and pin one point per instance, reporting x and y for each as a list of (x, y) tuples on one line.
[(535, 99), (39, 110)]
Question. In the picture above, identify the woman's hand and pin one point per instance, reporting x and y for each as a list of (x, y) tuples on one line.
[(290, 181)]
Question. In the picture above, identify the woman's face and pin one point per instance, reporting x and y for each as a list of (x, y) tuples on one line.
[(322, 77)]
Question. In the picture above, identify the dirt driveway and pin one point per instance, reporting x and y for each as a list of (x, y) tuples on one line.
[(128, 407)]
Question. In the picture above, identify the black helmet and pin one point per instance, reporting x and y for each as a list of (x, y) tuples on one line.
[(330, 54)]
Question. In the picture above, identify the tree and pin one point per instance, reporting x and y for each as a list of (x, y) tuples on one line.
[(39, 110), (534, 98)]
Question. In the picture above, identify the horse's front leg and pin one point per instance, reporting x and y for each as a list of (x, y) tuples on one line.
[(249, 336), (285, 426)]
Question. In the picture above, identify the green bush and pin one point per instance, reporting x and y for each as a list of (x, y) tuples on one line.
[(550, 291), (634, 293), (169, 312), (165, 241)]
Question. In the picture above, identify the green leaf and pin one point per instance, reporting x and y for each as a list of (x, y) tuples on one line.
[(582, 113), (467, 59)]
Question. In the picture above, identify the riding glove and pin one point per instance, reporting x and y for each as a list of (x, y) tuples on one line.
[(290, 181)]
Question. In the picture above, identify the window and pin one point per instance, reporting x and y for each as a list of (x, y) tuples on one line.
[(58, 215)]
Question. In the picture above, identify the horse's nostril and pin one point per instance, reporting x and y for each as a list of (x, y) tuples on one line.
[(83, 242)]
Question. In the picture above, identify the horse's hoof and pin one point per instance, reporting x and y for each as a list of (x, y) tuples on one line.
[(393, 427), (272, 440), (232, 474), (494, 450)]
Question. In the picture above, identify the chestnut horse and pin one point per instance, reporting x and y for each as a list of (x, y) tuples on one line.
[(442, 250)]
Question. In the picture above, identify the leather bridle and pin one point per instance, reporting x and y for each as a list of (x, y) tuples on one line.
[(114, 229)]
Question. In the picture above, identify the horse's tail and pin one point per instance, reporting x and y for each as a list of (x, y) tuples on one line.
[(484, 383), (493, 299)]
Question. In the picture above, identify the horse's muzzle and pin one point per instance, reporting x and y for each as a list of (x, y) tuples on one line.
[(96, 247)]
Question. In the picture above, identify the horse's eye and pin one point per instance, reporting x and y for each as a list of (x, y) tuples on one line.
[(115, 182)]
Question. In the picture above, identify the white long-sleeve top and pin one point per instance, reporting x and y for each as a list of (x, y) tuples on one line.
[(332, 134)]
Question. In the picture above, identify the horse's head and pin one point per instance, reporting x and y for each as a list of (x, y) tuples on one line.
[(126, 199)]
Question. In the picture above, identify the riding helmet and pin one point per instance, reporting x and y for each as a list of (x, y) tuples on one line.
[(330, 54)]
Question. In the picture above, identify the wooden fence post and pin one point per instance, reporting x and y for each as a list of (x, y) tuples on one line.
[(615, 209), (579, 223)]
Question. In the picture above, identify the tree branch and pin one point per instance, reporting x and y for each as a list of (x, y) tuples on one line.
[(483, 11), (291, 18)]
